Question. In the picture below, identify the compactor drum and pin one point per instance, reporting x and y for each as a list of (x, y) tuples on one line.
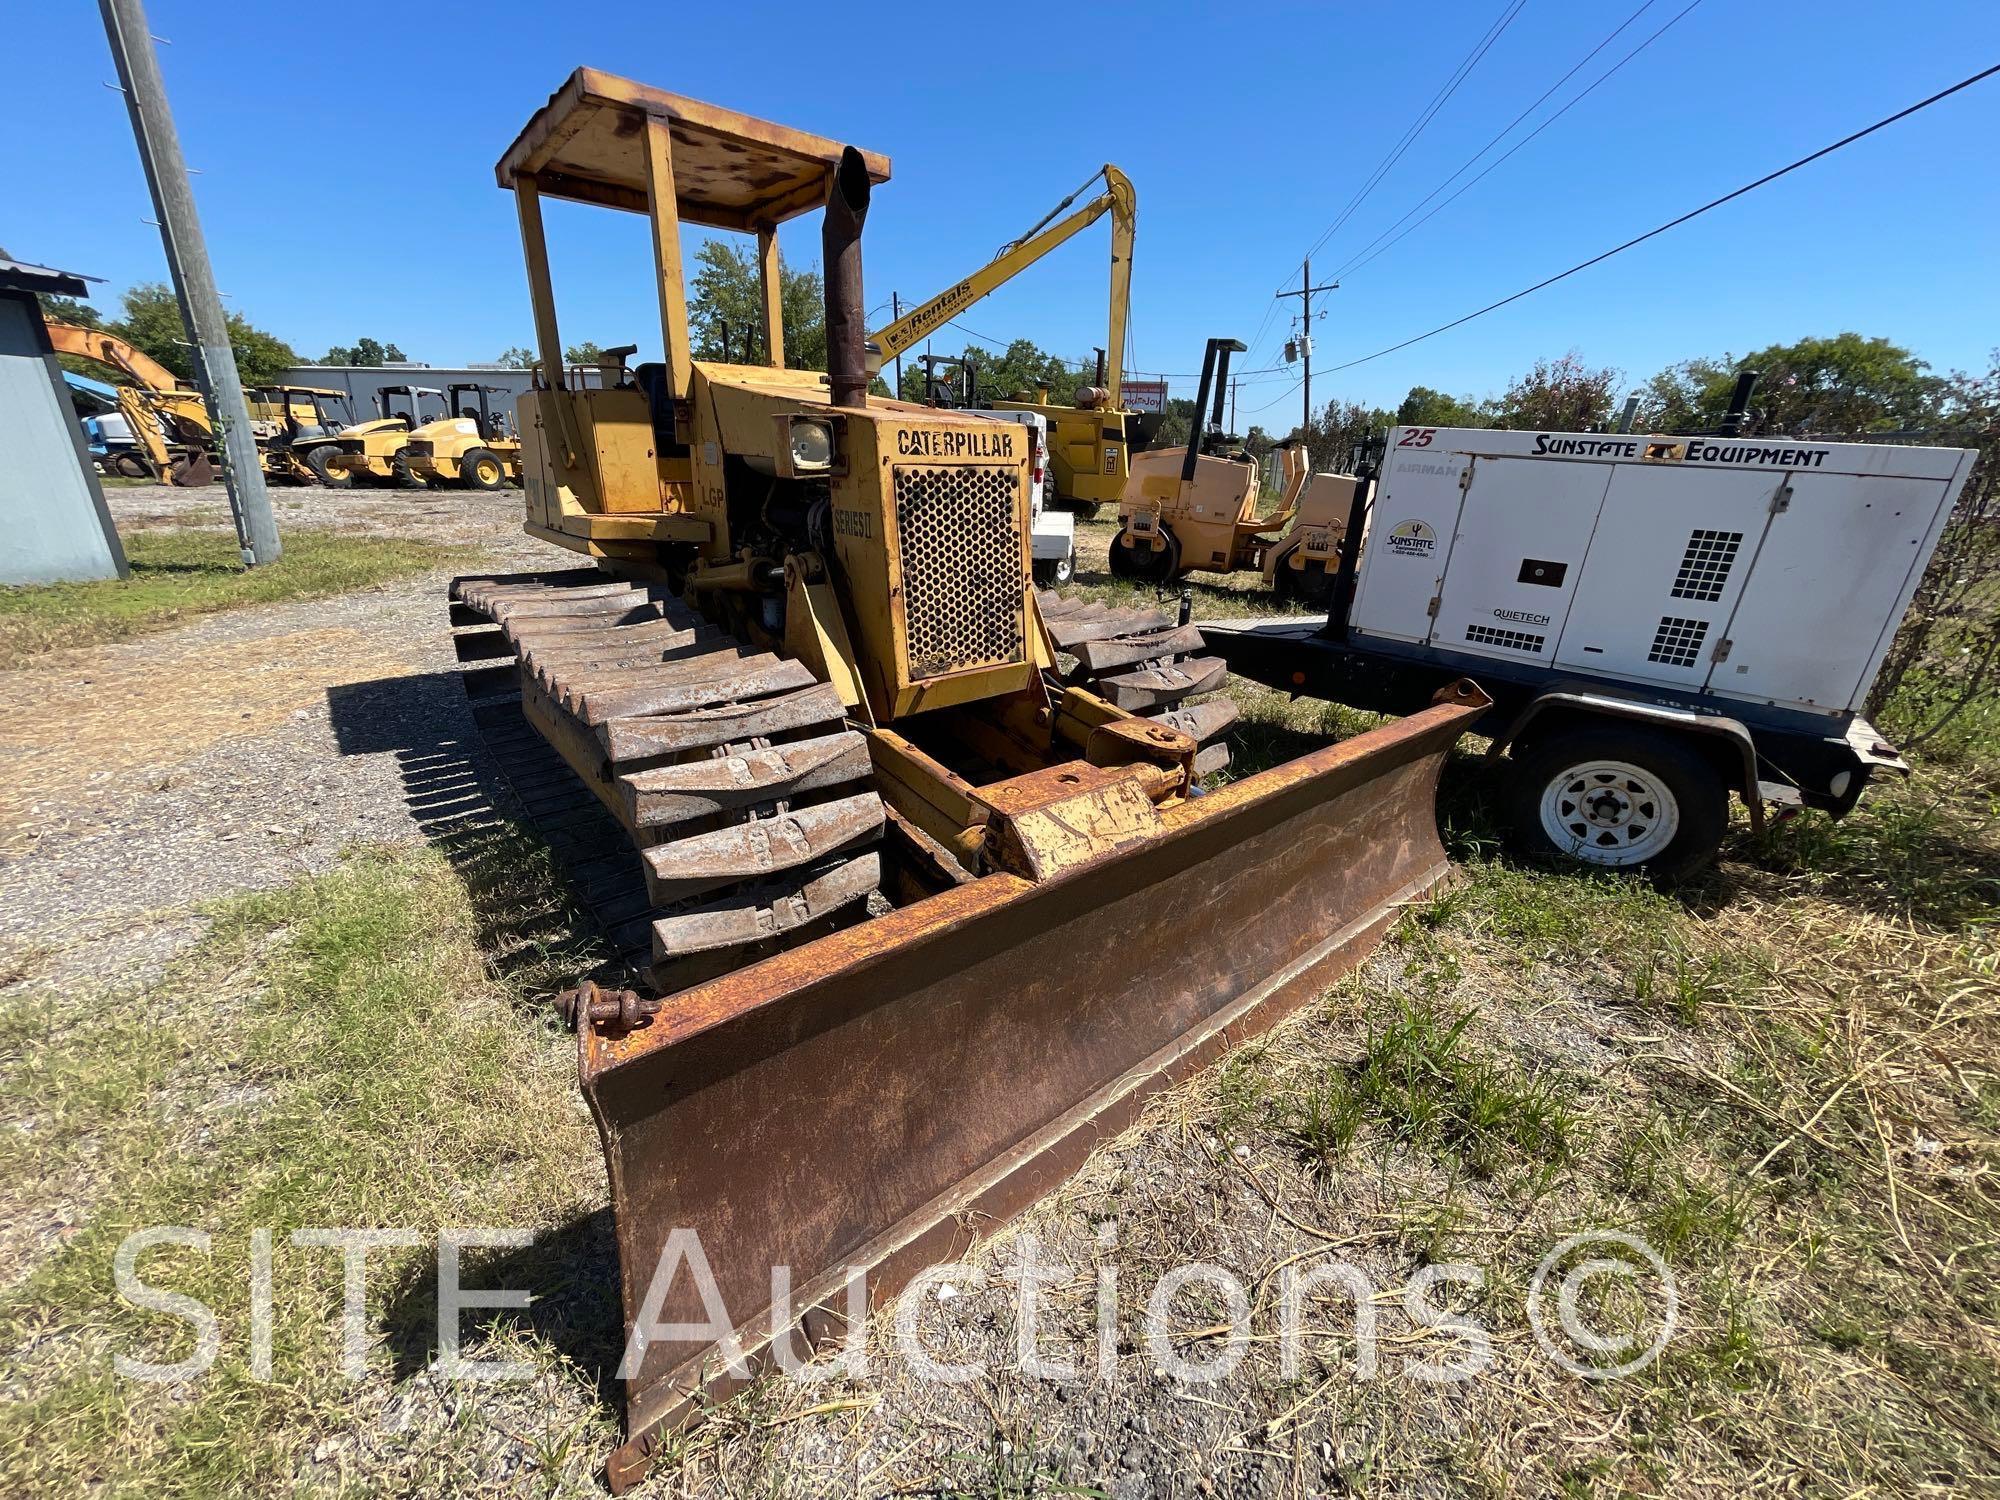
[(933, 897)]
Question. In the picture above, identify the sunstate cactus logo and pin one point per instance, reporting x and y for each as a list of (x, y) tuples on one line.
[(1412, 539)]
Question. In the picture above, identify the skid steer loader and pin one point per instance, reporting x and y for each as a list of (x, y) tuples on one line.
[(928, 920)]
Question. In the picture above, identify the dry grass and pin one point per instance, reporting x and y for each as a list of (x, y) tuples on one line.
[(355, 1050), (1783, 1078), (1789, 1092), (1217, 596), (178, 574)]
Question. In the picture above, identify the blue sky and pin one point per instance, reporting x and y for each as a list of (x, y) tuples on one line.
[(347, 188)]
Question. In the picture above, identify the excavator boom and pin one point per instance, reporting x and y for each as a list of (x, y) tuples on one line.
[(168, 419), (1117, 199)]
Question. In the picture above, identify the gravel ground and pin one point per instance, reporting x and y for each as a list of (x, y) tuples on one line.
[(148, 778)]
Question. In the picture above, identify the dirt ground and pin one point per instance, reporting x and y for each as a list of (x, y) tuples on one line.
[(1531, 1055), (141, 779)]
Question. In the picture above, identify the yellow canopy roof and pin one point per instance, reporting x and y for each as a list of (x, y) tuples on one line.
[(731, 171)]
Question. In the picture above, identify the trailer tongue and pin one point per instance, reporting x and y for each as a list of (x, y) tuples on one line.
[(937, 899)]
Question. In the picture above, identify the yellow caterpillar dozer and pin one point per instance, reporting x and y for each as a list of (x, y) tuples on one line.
[(1090, 447), (928, 919), (1194, 509)]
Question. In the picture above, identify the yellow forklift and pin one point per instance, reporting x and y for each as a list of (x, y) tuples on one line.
[(472, 445), (1089, 444)]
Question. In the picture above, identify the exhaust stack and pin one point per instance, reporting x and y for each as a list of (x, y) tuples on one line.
[(846, 311)]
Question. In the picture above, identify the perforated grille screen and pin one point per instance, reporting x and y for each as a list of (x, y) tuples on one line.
[(1706, 563), (1513, 640), (1677, 643), (958, 529)]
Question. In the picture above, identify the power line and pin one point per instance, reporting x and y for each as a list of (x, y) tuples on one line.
[(1417, 127), (1508, 12), (1370, 253), (1769, 177), (1645, 6)]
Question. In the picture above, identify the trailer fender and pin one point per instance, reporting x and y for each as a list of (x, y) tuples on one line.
[(1573, 699)]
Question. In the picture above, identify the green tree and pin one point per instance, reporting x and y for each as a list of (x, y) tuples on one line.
[(1562, 395), (152, 322), (1337, 434), (365, 352), (517, 358), (70, 310), (78, 315), (1015, 373), (1176, 423), (729, 293), (1846, 383), (1424, 407), (1685, 397), (589, 352)]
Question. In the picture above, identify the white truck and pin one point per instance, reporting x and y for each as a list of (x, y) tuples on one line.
[(1660, 620), (1054, 531)]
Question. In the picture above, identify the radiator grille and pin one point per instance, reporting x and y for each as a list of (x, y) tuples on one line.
[(1706, 563), (1513, 640), (958, 530), (1677, 643)]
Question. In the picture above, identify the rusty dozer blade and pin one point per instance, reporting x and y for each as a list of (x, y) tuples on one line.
[(859, 1104)]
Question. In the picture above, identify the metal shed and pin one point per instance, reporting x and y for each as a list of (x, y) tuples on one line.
[(54, 526)]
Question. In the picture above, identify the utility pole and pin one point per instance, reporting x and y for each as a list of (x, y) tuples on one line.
[(1305, 293), (194, 280), (1232, 404), (896, 316)]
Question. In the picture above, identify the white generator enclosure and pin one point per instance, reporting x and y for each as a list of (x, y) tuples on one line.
[(1765, 570)]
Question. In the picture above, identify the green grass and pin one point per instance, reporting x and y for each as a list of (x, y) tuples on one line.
[(335, 1053), (176, 575)]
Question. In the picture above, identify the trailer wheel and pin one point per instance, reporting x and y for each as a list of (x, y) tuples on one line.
[(481, 469), (333, 479), (1619, 799), (1056, 571), (1142, 564)]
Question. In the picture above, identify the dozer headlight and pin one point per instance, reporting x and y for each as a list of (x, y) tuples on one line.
[(812, 446)]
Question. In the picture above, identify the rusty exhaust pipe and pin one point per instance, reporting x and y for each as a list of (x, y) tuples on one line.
[(840, 250)]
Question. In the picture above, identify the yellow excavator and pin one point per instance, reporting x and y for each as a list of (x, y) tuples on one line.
[(168, 420), (1089, 442), (925, 917)]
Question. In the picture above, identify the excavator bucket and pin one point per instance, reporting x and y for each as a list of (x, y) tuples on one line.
[(851, 1107)]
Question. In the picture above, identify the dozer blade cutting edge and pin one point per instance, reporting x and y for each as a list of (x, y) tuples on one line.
[(851, 1106)]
